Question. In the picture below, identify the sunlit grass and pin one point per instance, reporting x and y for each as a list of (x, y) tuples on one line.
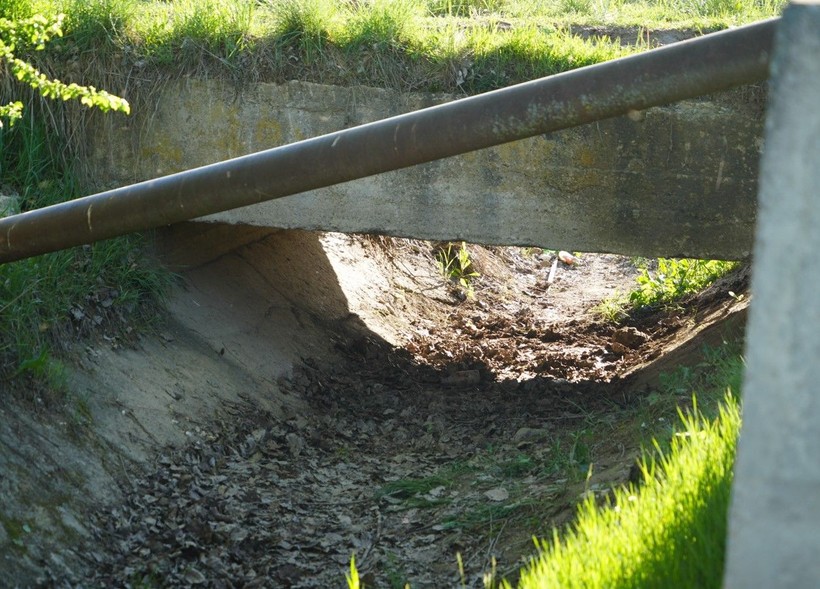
[(670, 533), (465, 45)]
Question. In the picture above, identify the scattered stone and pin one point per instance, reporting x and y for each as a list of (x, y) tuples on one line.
[(630, 337), (497, 494), (528, 435)]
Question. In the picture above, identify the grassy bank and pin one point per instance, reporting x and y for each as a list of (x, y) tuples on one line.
[(671, 530), (671, 533), (49, 302), (464, 46)]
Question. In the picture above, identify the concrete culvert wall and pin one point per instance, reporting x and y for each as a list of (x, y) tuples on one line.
[(673, 181)]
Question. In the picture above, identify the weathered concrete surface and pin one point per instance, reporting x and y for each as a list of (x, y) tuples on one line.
[(775, 512), (679, 180)]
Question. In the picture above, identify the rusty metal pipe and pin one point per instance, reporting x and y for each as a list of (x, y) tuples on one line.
[(682, 70)]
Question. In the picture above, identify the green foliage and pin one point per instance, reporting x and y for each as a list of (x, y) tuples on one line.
[(353, 581), (71, 291), (670, 534), (34, 33), (218, 26), (676, 278), (455, 265), (97, 25), (382, 24), (672, 280), (305, 26), (613, 309)]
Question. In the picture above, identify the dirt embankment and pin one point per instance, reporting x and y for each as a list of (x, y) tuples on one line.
[(314, 395)]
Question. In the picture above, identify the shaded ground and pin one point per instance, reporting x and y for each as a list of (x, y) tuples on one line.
[(434, 425)]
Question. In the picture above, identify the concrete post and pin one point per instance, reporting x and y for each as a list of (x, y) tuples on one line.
[(774, 524)]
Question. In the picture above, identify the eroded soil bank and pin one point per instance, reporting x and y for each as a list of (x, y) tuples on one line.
[(310, 396)]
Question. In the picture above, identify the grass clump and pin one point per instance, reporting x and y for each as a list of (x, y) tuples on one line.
[(304, 26), (670, 534)]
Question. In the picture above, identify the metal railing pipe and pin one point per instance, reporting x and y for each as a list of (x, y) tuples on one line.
[(711, 63)]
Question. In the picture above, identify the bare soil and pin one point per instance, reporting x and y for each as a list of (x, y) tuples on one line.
[(388, 414)]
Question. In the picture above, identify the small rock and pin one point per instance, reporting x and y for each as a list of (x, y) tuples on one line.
[(618, 348), (630, 337), (194, 577), (295, 444), (497, 494), (530, 435)]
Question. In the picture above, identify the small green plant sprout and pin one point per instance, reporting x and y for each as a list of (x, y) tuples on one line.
[(614, 308), (352, 577), (35, 32), (456, 266)]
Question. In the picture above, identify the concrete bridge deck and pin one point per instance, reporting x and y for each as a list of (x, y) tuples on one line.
[(679, 180)]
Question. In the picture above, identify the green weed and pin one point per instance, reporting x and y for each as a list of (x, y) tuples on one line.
[(676, 278), (456, 266), (672, 280), (614, 308), (412, 492), (670, 534)]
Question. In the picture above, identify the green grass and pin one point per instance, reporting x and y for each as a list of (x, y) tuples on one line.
[(455, 265), (466, 46), (676, 278), (671, 533), (48, 301), (664, 286)]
